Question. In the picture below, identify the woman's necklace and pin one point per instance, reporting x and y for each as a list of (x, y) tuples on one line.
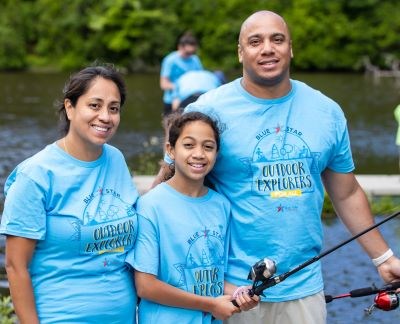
[(65, 146)]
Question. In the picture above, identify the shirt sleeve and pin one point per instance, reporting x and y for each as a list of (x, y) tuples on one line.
[(166, 66), (146, 251), (24, 211), (342, 160)]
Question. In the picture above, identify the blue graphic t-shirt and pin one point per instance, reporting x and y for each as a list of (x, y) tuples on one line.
[(181, 240), (272, 154), (174, 65), (83, 216)]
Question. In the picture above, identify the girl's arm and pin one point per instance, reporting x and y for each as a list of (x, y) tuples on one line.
[(151, 288), (19, 252)]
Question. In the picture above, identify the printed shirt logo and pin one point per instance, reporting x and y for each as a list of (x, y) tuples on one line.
[(203, 272), (108, 225), (282, 163)]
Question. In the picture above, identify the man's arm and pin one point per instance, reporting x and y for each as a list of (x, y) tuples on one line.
[(352, 206), (166, 84)]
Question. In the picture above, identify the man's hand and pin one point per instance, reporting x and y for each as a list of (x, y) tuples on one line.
[(390, 270)]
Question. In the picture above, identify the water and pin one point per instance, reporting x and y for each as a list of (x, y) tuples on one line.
[(28, 123), (350, 268)]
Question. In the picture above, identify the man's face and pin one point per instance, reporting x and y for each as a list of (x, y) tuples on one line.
[(265, 50), (188, 50)]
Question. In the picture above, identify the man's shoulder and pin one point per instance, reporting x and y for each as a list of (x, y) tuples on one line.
[(170, 57), (310, 92)]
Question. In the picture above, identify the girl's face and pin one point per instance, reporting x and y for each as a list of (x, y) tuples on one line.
[(194, 153), (95, 118)]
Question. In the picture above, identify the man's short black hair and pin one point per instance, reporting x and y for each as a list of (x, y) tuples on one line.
[(187, 39)]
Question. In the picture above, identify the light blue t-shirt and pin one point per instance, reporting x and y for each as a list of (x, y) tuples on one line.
[(194, 82), (272, 154), (182, 241), (83, 216), (174, 65)]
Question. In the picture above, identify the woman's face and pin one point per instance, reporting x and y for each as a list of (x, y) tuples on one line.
[(95, 117)]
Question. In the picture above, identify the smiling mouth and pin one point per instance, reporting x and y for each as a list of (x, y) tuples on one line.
[(101, 129), (197, 165), (268, 63)]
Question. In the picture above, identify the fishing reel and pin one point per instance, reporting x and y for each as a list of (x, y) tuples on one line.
[(262, 270), (261, 273), (386, 301)]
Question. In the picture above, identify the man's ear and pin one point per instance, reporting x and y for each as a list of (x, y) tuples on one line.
[(291, 50), (240, 53)]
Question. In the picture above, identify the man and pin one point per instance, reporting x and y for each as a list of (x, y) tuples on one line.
[(282, 142), (176, 64), (192, 84)]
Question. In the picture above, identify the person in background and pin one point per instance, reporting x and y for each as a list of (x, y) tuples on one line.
[(175, 64), (69, 214), (180, 252), (192, 85), (397, 117), (282, 144)]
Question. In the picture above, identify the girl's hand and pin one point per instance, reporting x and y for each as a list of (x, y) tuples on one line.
[(243, 299), (223, 307)]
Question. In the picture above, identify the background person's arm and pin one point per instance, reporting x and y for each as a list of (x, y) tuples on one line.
[(19, 252), (166, 84), (163, 174)]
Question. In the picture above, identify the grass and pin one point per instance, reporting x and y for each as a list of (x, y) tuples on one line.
[(383, 205)]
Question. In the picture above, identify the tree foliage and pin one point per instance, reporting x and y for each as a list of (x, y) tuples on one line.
[(136, 34)]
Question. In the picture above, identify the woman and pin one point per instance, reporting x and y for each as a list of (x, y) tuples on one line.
[(69, 215)]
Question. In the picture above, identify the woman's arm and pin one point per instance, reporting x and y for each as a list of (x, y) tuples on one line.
[(151, 288), (19, 252)]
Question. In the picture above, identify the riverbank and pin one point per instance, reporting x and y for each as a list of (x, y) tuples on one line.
[(373, 185)]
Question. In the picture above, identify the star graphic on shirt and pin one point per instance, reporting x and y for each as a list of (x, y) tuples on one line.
[(100, 191), (205, 232), (278, 129), (280, 208), (105, 263)]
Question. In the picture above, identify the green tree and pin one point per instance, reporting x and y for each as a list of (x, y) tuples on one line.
[(16, 33), (137, 34)]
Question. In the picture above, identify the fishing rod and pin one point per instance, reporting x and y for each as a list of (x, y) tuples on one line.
[(386, 299), (361, 292), (262, 273)]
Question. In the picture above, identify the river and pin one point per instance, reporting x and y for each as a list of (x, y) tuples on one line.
[(28, 123)]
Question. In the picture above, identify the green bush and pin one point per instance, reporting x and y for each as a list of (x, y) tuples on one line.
[(7, 315), (379, 206)]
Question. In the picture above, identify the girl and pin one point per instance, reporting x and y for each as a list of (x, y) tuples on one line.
[(179, 258), (69, 214)]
